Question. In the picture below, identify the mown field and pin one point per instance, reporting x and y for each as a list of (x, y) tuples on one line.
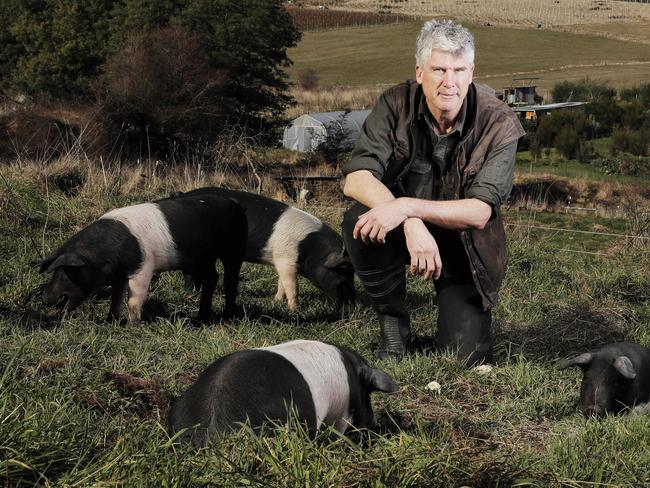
[(84, 403), (589, 15), (367, 56)]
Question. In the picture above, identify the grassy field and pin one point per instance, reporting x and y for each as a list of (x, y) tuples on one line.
[(385, 54), (84, 403), (521, 13)]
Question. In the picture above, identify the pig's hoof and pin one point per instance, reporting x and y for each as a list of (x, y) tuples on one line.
[(196, 323), (233, 312)]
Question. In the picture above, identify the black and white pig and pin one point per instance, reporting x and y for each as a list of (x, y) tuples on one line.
[(125, 246), (616, 378), (325, 384), (294, 242)]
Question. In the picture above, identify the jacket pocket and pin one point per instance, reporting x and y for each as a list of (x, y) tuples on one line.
[(418, 181)]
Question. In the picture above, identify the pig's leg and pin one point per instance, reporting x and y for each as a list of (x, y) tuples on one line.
[(231, 269), (118, 288), (287, 278), (280, 293), (138, 288), (208, 279)]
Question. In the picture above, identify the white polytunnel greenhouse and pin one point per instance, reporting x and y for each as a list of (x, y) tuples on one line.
[(309, 131)]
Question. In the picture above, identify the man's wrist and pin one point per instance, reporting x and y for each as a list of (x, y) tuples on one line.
[(411, 207), (410, 221)]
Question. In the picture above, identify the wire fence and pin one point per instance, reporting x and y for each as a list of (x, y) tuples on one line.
[(526, 226)]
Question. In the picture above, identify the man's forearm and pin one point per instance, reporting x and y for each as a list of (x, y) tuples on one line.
[(363, 187), (468, 213)]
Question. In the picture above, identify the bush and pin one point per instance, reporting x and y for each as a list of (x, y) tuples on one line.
[(640, 94), (159, 92), (634, 115), (582, 91), (58, 48), (567, 131), (625, 164), (31, 133), (629, 141), (308, 79), (567, 142)]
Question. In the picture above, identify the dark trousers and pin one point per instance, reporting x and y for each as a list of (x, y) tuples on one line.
[(463, 325)]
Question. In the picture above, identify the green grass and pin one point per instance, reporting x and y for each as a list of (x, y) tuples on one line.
[(385, 54), (66, 419)]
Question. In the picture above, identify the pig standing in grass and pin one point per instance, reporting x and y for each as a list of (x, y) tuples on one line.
[(294, 242), (616, 378), (323, 383), (124, 247)]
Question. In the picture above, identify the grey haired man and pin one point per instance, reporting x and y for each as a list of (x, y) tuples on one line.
[(433, 164)]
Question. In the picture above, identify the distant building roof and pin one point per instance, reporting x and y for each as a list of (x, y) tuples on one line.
[(546, 106)]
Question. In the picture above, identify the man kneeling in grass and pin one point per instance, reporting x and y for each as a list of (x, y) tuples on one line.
[(432, 166)]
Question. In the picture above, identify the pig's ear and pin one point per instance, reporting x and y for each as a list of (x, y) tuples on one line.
[(623, 365), (337, 261), (50, 263), (583, 360), (380, 381)]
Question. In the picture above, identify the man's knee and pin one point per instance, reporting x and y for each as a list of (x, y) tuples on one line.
[(351, 216)]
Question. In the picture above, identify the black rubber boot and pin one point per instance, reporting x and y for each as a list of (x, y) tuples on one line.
[(395, 337)]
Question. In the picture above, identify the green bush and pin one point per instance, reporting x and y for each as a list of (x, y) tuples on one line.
[(59, 48), (630, 141), (159, 92), (639, 94), (582, 91)]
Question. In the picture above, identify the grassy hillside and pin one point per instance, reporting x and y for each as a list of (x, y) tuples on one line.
[(84, 403), (385, 54)]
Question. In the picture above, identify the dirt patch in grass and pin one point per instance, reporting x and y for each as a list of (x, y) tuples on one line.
[(148, 400)]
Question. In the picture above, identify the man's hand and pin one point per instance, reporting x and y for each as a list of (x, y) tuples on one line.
[(373, 225), (425, 256)]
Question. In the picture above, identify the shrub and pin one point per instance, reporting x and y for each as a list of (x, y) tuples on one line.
[(308, 79), (582, 91), (567, 142), (58, 48), (159, 91), (31, 133), (633, 115), (639, 94), (567, 131), (633, 142)]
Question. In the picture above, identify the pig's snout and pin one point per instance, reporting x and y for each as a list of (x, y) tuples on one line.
[(54, 299)]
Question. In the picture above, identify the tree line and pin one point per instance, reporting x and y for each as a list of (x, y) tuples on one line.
[(169, 71), (623, 115)]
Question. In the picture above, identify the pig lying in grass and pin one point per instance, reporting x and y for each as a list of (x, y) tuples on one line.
[(616, 378), (125, 246), (323, 383), (294, 242)]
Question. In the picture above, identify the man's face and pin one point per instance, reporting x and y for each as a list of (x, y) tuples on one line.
[(445, 80)]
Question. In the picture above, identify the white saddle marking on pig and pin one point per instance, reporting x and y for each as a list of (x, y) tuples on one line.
[(322, 367), (289, 230), (149, 226)]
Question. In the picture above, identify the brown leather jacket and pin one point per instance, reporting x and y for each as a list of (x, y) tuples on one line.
[(489, 123)]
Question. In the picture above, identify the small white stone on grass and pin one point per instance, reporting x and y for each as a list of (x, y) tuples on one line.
[(483, 369), (641, 409), (434, 386)]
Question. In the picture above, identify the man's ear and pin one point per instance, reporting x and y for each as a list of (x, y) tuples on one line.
[(419, 74)]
